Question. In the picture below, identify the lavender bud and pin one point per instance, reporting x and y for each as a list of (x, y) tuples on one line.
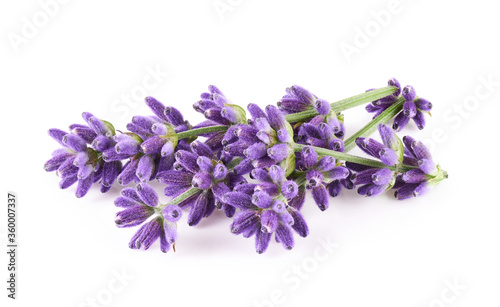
[(243, 221), (220, 171), (269, 220), (176, 178), (124, 202), (262, 241), (263, 136), (334, 188), (153, 145), (262, 200), (187, 160), (276, 118), (157, 107), (57, 135), (147, 194), (301, 93), (255, 111), (419, 120), (197, 210), (279, 152), (314, 178), (172, 213), (244, 167), (289, 189), (238, 200), (406, 191), (74, 142), (388, 156), (322, 107), (278, 206), (423, 104), (415, 176), (428, 166), (409, 109), (202, 180), (409, 93), (236, 149), (173, 116), (394, 82), (326, 164), (309, 157), (277, 174), (145, 168), (256, 151), (382, 176), (285, 236), (261, 175), (205, 164), (337, 173), (320, 196), (98, 126), (284, 136), (133, 216), (400, 121)]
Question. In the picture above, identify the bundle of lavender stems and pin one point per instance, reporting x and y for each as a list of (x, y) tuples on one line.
[(256, 166)]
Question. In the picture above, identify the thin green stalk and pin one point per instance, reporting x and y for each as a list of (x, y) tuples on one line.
[(345, 104), (383, 118), (198, 131), (351, 158)]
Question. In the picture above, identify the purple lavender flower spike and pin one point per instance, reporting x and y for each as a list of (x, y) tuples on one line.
[(187, 160), (302, 94), (406, 191), (284, 235), (150, 234), (147, 194), (325, 164), (262, 241), (164, 244), (56, 161), (101, 143), (276, 118), (334, 188), (322, 107), (244, 167), (57, 135), (133, 216), (67, 182), (415, 176)]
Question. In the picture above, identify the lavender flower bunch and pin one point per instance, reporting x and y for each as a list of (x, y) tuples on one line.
[(258, 171)]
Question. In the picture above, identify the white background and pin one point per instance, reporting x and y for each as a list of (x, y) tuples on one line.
[(89, 54)]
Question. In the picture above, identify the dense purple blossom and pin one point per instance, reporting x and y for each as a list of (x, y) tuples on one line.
[(414, 107)]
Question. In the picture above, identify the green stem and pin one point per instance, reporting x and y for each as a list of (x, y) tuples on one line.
[(345, 104), (174, 201), (198, 131), (351, 158), (383, 118)]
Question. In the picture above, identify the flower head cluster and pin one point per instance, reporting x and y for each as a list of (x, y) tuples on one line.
[(426, 175), (319, 174), (269, 207), (80, 160), (265, 141), (141, 204), (414, 107), (208, 179)]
